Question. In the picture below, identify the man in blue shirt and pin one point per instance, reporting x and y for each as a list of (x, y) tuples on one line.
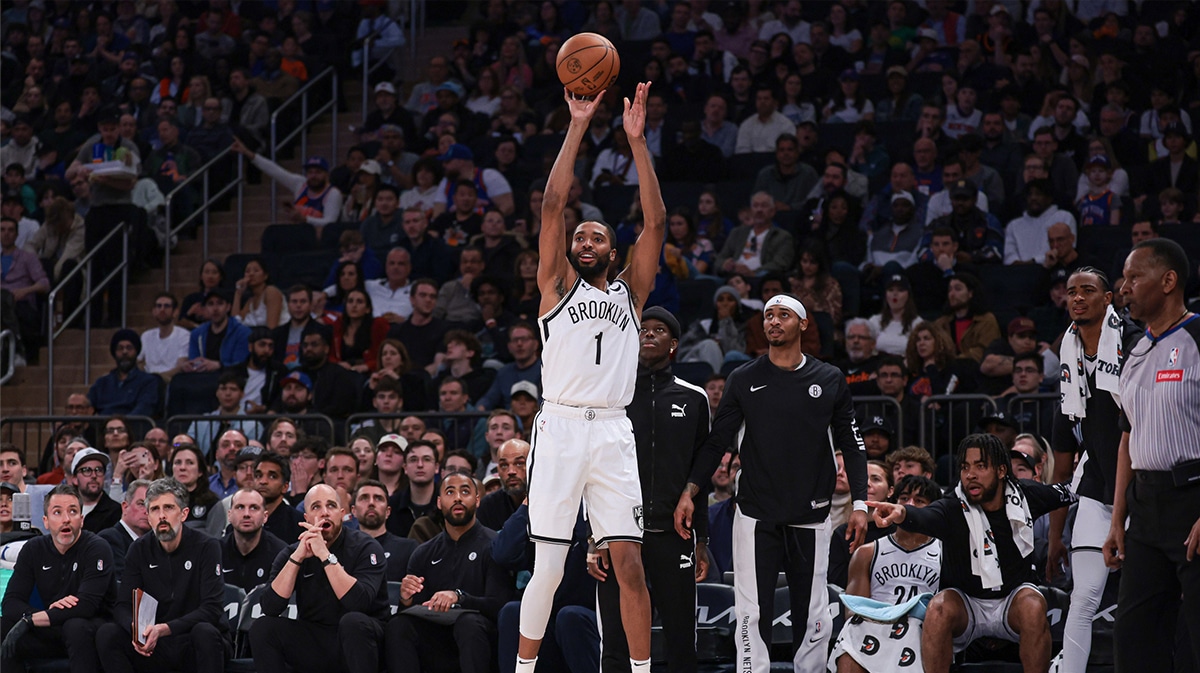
[(125, 390)]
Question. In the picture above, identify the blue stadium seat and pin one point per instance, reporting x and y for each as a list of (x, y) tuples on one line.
[(676, 194), (614, 201), (749, 164), (695, 300)]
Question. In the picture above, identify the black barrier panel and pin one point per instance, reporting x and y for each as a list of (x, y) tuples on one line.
[(869, 407), (1034, 413), (946, 419)]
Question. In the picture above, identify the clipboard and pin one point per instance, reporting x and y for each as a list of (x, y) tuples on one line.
[(145, 611)]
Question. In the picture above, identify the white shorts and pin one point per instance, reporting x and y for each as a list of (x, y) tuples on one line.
[(1092, 520), (988, 618), (583, 453), (879, 647)]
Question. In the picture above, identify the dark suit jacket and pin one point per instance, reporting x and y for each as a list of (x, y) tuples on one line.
[(118, 538), (1158, 178)]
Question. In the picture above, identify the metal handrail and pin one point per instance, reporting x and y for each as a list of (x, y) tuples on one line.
[(354, 421), (203, 208), (180, 423), (302, 95), (987, 405), (9, 337), (85, 267), (17, 429)]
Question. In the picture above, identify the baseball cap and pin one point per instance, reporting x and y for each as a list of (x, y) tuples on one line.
[(963, 189), (317, 162), (1020, 325), (878, 424), (898, 279), (451, 86), (108, 115), (393, 438), (9, 486), (1099, 160), (88, 454), (247, 454), (1175, 128), (1080, 59), (998, 8), (1058, 276), (897, 70), (998, 417), (385, 87), (902, 195), (224, 293), (527, 387), (259, 333), (1013, 454), (491, 478), (370, 166), (848, 75), (298, 377), (662, 314), (927, 34), (457, 151)]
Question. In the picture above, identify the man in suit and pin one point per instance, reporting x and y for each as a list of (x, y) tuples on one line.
[(134, 523), (1176, 169), (758, 248)]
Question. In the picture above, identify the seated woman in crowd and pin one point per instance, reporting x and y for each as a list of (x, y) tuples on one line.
[(526, 296), (364, 451), (257, 303), (358, 333), (683, 234), (394, 362), (932, 365), (139, 462), (895, 322), (424, 194), (814, 286), (191, 310), (720, 338), (349, 277), (189, 468)]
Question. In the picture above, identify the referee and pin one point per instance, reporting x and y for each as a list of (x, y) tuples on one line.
[(786, 414), (1158, 466)]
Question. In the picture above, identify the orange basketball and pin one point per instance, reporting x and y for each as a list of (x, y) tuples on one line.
[(588, 64)]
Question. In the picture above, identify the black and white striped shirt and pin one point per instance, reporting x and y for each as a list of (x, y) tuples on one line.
[(1160, 398)]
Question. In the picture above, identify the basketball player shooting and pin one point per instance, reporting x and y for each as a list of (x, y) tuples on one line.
[(583, 444)]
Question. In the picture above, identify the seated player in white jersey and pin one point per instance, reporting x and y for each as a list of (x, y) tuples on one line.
[(582, 442), (892, 571)]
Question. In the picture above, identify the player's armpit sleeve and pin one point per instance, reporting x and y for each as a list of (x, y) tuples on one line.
[(847, 439)]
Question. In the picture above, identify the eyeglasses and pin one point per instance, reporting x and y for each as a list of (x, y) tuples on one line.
[(89, 471)]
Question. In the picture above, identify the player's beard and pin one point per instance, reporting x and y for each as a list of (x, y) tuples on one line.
[(459, 519), (593, 273)]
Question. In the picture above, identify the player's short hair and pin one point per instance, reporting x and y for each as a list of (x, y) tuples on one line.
[(62, 489), (916, 485)]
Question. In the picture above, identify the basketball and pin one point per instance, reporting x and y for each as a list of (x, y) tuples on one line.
[(588, 64)]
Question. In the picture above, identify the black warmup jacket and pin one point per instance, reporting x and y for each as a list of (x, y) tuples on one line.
[(361, 556), (187, 583), (464, 565), (85, 571), (785, 426), (254, 568), (670, 423)]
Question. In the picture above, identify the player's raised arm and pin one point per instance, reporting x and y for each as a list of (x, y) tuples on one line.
[(555, 274), (643, 258)]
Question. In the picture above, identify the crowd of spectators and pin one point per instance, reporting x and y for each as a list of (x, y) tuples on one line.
[(924, 176)]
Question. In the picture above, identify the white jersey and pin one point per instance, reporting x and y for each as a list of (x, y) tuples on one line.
[(899, 575), (590, 347)]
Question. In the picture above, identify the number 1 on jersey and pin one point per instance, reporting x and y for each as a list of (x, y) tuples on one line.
[(599, 338)]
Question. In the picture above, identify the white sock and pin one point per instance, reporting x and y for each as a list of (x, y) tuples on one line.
[(642, 666), (526, 665)]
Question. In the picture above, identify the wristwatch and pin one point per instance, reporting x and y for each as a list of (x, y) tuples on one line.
[(330, 560)]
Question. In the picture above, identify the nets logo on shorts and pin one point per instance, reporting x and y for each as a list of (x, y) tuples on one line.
[(638, 518)]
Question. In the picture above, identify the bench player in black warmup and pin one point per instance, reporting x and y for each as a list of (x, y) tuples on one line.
[(796, 411)]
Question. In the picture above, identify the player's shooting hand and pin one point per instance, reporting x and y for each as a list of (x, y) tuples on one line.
[(856, 530), (887, 513), (582, 108), (1114, 546), (683, 516), (634, 119)]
